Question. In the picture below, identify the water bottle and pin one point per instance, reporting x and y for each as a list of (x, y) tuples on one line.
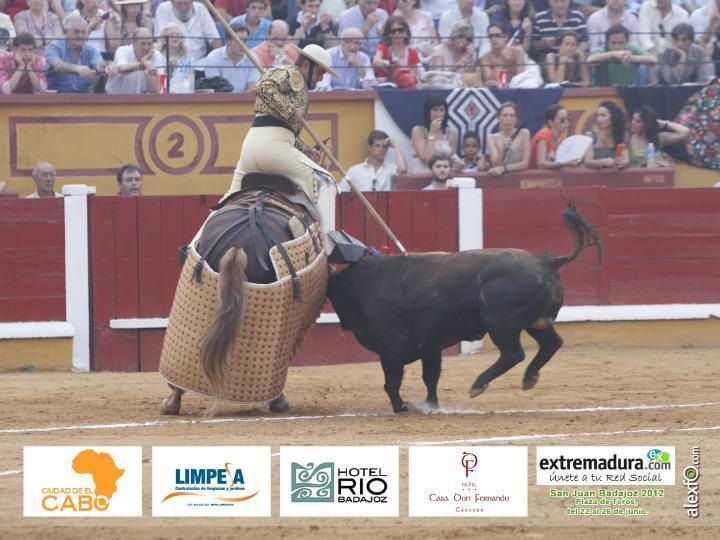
[(650, 156)]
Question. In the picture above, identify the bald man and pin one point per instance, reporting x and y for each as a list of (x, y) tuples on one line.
[(134, 70), (275, 51), (44, 178), (354, 71)]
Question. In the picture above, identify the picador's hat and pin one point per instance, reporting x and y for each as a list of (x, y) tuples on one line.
[(318, 55)]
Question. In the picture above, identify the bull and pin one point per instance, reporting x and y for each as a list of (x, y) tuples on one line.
[(412, 307)]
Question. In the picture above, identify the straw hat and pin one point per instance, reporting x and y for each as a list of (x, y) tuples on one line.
[(318, 55)]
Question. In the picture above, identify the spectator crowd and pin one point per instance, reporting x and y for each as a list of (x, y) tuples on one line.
[(149, 46)]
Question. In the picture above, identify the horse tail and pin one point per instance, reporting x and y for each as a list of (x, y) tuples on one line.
[(585, 235), (220, 337)]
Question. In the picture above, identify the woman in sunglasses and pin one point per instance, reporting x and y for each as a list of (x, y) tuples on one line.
[(394, 58), (545, 142), (502, 62), (422, 27)]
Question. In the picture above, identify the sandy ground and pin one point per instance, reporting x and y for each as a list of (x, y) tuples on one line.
[(681, 383)]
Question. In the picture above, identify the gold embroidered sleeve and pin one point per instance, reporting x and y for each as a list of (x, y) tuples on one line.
[(275, 93), (301, 145)]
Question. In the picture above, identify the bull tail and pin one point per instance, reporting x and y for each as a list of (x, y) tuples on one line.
[(585, 235), (220, 337)]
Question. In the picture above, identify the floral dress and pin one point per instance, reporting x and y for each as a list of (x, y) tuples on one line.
[(701, 115)]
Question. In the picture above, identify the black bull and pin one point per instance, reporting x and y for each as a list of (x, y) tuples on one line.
[(405, 308)]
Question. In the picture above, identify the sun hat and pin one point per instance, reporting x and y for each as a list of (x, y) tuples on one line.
[(318, 55)]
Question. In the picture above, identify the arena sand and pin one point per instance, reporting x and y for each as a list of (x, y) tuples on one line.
[(587, 395)]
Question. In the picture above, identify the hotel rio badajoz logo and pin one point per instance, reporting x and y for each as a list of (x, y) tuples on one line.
[(339, 481), (82, 481), (220, 481)]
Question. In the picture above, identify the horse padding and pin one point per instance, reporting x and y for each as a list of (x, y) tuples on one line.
[(272, 329)]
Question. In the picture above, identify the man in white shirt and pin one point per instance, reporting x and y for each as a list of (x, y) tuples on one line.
[(232, 64), (657, 19), (194, 20), (44, 178), (376, 173), (706, 21), (440, 172), (466, 10), (614, 12), (134, 70)]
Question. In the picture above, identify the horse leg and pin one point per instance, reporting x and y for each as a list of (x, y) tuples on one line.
[(431, 366), (511, 353), (171, 404), (393, 379), (279, 405), (549, 342)]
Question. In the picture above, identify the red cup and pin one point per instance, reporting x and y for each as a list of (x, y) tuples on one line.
[(162, 83), (502, 77)]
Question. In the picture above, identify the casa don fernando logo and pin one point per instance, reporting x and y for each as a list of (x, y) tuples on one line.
[(220, 484)]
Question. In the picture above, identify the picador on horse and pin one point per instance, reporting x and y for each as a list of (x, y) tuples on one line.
[(255, 276)]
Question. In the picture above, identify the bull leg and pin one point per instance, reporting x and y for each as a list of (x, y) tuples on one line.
[(279, 405), (431, 365), (393, 379), (511, 353), (549, 342), (171, 404)]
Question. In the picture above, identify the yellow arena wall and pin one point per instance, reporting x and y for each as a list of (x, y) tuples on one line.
[(190, 144)]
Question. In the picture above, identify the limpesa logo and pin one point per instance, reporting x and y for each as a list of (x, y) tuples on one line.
[(226, 484), (328, 483), (77, 498)]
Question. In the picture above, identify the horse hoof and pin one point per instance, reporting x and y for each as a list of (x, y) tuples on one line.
[(279, 405), (475, 391), (529, 382), (169, 408), (402, 407)]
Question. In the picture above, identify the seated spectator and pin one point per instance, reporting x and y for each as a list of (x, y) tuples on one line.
[(472, 158), (515, 18), (501, 63), (353, 67), (276, 49), (422, 27), (549, 25), (71, 63), (617, 63), (232, 64), (645, 128), (42, 24), (656, 20), (369, 19), (196, 23), (44, 177), (174, 48), (376, 173), (91, 11), (706, 21), (22, 71), (394, 59), (120, 27), (7, 29), (254, 20), (545, 142), (440, 172), (457, 54), (568, 65), (135, 66), (129, 179), (312, 25), (465, 10), (509, 148), (612, 14), (229, 9), (684, 62), (608, 148), (712, 51), (6, 191), (433, 135)]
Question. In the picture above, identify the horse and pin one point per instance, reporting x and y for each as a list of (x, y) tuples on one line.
[(235, 242)]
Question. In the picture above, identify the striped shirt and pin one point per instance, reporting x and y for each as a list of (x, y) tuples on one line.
[(544, 25)]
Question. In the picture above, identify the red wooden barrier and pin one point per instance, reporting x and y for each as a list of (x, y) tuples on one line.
[(32, 260)]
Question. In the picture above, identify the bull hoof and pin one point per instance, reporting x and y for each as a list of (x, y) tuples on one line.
[(279, 405), (475, 391), (169, 407), (529, 382)]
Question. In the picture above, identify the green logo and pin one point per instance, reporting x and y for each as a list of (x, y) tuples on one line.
[(658, 455), (312, 483)]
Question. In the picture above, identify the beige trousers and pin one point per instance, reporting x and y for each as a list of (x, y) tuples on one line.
[(271, 149)]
